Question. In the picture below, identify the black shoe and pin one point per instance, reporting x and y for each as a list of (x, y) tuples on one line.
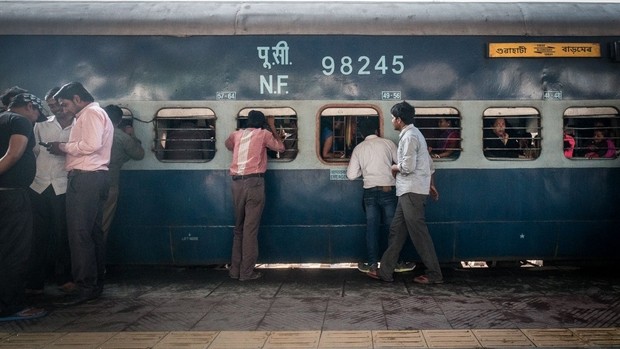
[(255, 275)]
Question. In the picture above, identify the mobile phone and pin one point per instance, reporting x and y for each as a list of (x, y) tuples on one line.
[(47, 145)]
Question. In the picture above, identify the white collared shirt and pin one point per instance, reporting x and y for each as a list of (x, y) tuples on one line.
[(414, 162), (372, 159), (50, 168)]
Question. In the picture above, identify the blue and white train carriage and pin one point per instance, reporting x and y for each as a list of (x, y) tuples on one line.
[(187, 73)]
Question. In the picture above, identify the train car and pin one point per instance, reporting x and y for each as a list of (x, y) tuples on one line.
[(187, 73)]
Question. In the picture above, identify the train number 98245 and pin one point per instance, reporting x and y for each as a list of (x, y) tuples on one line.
[(364, 65)]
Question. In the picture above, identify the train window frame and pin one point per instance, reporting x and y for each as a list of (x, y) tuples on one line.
[(286, 121), (580, 121), (169, 119), (527, 148), (348, 119), (427, 121), (127, 120)]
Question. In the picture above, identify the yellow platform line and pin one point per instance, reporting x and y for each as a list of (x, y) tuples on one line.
[(463, 338)]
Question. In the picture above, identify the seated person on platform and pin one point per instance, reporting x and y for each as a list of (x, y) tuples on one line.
[(498, 143)]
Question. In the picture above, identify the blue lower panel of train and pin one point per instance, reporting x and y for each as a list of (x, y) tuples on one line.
[(185, 217)]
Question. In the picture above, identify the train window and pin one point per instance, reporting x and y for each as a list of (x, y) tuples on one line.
[(338, 131), (185, 134), (591, 132), (286, 124), (442, 129), (127, 120), (511, 133)]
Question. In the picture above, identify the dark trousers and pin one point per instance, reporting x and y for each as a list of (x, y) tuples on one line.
[(86, 193), (50, 244), (15, 240), (410, 221), (248, 201)]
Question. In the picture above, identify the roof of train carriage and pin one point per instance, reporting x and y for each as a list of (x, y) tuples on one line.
[(188, 18)]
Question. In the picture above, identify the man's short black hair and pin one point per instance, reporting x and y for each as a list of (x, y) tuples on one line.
[(256, 119), (404, 111), (367, 126), (71, 89), (115, 113)]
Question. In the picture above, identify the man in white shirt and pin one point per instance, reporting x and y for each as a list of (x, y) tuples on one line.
[(414, 183), (47, 195), (372, 159)]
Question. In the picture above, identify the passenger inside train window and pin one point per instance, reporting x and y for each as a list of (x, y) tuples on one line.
[(511, 133), (338, 134), (185, 134), (286, 123), (594, 131), (332, 138), (569, 142), (441, 128), (601, 146), (499, 143), (448, 142)]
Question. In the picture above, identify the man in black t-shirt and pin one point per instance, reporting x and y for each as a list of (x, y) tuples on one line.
[(17, 170)]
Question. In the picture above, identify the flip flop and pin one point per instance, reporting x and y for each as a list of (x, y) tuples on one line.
[(373, 274), (423, 279), (25, 314)]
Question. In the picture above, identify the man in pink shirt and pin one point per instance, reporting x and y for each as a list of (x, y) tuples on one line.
[(249, 163), (87, 158)]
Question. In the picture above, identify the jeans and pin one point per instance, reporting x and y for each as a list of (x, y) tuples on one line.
[(377, 204)]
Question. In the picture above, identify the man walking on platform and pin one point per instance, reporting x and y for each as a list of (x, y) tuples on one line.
[(414, 183)]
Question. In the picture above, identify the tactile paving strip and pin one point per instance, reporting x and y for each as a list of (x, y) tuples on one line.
[(240, 340), (409, 339), (604, 337), (561, 338), (398, 339), (346, 339), (451, 339), (187, 340), (30, 340), (504, 338), (293, 340), (82, 340)]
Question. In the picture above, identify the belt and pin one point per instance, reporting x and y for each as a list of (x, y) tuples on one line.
[(75, 172), (384, 188), (252, 175)]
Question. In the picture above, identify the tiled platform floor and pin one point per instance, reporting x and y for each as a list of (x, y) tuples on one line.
[(316, 306)]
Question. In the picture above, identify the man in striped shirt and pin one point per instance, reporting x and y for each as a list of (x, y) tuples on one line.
[(248, 166)]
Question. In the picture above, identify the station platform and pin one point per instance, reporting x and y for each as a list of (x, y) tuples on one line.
[(173, 307)]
